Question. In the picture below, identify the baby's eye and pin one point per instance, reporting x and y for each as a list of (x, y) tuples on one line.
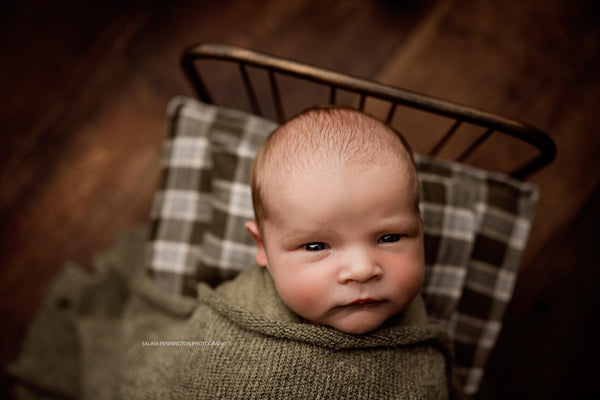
[(390, 238), (315, 246)]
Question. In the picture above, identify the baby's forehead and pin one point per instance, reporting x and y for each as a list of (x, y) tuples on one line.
[(324, 184)]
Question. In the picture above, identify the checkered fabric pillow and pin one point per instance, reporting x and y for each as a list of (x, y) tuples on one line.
[(476, 226), (197, 216)]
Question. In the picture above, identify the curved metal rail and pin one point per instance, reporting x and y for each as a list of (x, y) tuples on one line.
[(275, 66)]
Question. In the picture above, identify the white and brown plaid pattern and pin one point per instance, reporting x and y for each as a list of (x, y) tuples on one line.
[(476, 226)]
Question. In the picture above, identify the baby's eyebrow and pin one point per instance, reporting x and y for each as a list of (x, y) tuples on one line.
[(304, 234), (403, 224), (400, 220), (296, 238)]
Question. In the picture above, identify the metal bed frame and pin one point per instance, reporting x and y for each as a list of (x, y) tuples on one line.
[(336, 82)]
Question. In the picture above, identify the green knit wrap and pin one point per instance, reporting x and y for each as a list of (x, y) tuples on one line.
[(250, 345)]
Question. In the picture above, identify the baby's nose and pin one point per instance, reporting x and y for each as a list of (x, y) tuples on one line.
[(359, 265)]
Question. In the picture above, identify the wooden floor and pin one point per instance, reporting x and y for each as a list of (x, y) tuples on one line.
[(86, 86)]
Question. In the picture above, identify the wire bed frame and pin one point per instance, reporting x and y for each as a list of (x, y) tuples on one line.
[(365, 89)]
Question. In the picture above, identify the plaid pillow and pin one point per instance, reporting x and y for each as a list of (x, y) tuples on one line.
[(476, 226), (194, 217)]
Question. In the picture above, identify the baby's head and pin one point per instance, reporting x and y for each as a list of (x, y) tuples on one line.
[(337, 225)]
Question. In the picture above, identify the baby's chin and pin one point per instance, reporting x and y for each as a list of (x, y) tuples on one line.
[(357, 326)]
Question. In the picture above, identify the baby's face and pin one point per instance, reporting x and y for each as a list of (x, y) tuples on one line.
[(346, 249)]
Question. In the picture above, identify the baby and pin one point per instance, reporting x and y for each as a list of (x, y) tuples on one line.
[(333, 308), (335, 195)]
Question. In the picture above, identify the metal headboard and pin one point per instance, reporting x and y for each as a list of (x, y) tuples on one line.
[(336, 82)]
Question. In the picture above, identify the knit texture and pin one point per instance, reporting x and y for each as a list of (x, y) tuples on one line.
[(254, 347)]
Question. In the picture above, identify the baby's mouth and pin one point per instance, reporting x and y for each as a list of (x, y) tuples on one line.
[(363, 302)]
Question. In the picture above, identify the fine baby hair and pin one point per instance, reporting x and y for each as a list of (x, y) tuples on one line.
[(326, 135)]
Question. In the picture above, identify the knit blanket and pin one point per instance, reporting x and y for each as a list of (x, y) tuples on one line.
[(237, 341)]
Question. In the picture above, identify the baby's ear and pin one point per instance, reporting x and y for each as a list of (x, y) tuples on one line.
[(261, 254)]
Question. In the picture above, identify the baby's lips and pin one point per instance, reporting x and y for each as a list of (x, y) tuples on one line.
[(363, 301)]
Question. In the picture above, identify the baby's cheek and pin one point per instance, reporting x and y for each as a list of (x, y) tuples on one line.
[(302, 294), (408, 280)]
